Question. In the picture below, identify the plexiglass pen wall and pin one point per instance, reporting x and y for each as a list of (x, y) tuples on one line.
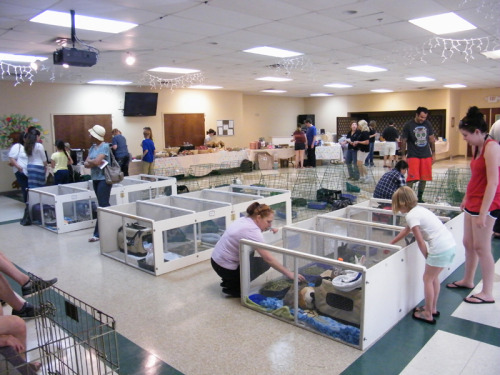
[(162, 234), (70, 207), (241, 196), (390, 273)]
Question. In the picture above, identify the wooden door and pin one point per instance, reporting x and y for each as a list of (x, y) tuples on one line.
[(75, 129), (184, 127)]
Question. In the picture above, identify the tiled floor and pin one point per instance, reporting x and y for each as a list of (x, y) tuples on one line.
[(181, 318)]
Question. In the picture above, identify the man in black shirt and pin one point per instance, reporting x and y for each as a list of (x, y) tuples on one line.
[(418, 139), (391, 136)]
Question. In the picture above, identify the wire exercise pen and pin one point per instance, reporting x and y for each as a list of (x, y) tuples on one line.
[(447, 188), (73, 338)]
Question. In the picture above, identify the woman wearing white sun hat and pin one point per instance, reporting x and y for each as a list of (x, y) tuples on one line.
[(98, 154)]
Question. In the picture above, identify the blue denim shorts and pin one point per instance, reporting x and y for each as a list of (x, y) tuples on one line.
[(441, 259)]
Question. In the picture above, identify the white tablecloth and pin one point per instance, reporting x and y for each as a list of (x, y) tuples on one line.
[(441, 147), (333, 152), (277, 153)]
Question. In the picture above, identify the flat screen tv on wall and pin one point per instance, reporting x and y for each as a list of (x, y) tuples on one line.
[(140, 104)]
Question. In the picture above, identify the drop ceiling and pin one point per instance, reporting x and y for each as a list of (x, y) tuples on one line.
[(211, 35)]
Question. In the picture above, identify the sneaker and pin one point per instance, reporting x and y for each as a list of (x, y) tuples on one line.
[(37, 285), (27, 311), (93, 239)]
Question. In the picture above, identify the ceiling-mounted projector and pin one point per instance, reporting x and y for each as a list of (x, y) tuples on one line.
[(75, 57)]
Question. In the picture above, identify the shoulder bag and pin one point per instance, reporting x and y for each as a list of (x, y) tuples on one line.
[(112, 171)]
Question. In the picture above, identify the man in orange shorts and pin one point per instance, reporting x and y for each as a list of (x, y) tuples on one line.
[(417, 148)]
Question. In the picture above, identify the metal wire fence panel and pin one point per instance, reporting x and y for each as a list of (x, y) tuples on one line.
[(73, 338), (447, 188), (277, 180), (306, 184)]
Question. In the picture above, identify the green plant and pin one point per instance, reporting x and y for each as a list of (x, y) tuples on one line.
[(15, 123)]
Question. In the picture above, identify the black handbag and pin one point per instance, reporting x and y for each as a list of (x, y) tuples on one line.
[(26, 220)]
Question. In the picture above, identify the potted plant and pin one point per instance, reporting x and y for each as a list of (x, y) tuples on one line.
[(13, 125)]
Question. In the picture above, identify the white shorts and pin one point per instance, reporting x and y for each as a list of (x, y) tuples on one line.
[(362, 156), (390, 148)]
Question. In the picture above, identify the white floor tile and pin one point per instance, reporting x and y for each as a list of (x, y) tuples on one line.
[(446, 353), (490, 313)]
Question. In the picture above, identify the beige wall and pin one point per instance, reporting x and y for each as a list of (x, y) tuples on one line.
[(254, 116), (269, 116)]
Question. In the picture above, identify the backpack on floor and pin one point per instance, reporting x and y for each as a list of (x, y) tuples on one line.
[(345, 307), (136, 235), (49, 214)]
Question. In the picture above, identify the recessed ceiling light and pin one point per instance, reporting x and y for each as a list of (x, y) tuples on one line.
[(445, 23), (205, 87), (20, 58), (50, 17), (273, 91), (382, 90), (420, 79), (130, 59), (166, 69), (367, 68), (338, 85), (274, 52), (492, 54), (108, 82), (274, 79), (455, 86), (321, 94)]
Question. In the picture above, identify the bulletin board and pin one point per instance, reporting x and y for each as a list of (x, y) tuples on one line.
[(225, 127)]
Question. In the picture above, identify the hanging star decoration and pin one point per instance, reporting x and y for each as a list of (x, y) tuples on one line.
[(22, 73), (184, 81)]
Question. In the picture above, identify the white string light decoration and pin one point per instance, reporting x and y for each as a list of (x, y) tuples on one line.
[(286, 67), (156, 82), (22, 73)]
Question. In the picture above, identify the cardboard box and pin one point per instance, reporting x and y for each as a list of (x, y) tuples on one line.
[(266, 161)]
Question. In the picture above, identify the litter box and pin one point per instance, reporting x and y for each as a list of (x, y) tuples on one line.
[(317, 205), (313, 271), (282, 214), (276, 288)]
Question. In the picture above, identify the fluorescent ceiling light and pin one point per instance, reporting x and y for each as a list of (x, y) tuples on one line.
[(492, 54), (108, 82), (274, 79), (455, 86), (367, 68), (445, 23), (166, 69), (20, 58), (321, 94), (420, 79), (382, 90), (50, 17), (274, 91), (274, 52), (338, 85), (205, 87)]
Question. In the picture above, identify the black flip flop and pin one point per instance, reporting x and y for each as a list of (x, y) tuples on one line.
[(437, 314), (481, 301), (456, 286), (433, 321)]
